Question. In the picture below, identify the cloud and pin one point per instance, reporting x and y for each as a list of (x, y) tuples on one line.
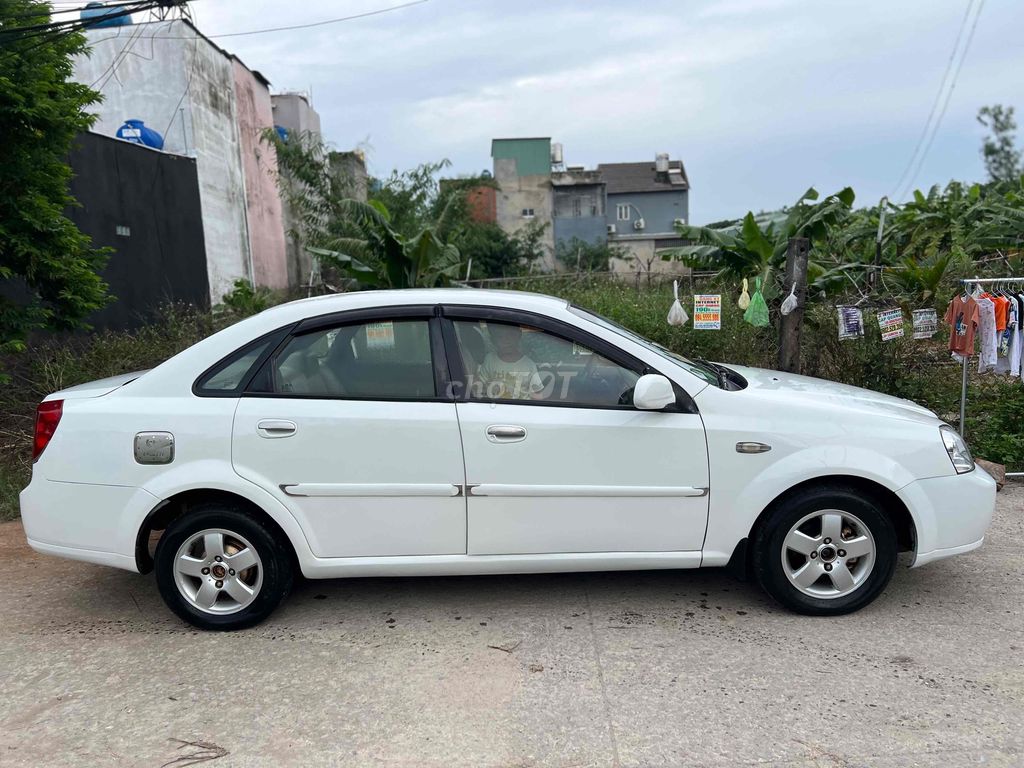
[(760, 98)]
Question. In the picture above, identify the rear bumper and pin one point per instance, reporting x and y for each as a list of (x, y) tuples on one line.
[(951, 514), (112, 559), (82, 521)]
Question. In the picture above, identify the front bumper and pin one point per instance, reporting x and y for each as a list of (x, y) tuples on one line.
[(951, 513)]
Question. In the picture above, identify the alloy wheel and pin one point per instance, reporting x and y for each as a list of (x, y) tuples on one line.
[(218, 571), (828, 554)]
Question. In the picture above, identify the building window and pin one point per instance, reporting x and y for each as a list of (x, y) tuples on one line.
[(527, 213), (622, 212), (577, 207)]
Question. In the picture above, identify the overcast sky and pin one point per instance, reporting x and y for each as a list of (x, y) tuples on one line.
[(759, 98)]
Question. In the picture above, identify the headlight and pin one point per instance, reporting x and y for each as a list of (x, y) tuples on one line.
[(957, 449)]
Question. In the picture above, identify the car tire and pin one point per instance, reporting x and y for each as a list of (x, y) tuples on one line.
[(195, 574), (801, 562)]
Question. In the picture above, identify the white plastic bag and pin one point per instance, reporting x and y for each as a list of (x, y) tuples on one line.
[(790, 303), (677, 315), (744, 301)]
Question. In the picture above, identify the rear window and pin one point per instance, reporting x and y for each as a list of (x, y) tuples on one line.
[(230, 374)]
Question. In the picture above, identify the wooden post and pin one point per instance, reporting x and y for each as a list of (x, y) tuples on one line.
[(790, 325)]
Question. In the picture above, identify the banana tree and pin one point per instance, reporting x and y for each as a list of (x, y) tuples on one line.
[(756, 246), (373, 254)]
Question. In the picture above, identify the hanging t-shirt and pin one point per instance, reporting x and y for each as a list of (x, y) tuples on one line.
[(1001, 310), (1008, 339), (987, 336), (963, 319), (1017, 340)]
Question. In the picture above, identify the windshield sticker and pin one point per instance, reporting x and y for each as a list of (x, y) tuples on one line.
[(380, 336)]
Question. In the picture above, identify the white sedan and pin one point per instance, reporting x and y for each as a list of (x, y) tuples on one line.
[(439, 432)]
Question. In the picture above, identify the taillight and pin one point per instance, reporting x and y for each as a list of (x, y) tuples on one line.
[(47, 418)]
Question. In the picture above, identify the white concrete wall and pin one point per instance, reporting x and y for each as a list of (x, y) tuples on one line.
[(181, 85)]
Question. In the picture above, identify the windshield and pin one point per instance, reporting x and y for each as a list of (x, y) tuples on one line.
[(702, 371)]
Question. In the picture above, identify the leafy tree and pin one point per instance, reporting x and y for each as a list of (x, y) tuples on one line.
[(413, 197), (1002, 159), (48, 267)]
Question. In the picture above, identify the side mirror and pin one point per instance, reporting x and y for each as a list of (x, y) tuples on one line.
[(653, 392)]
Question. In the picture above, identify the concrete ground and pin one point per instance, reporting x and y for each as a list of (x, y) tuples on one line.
[(630, 669)]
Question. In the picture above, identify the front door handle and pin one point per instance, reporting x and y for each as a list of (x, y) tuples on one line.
[(505, 433), (272, 428)]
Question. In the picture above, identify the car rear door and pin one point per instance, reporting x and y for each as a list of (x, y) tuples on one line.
[(573, 466), (349, 424)]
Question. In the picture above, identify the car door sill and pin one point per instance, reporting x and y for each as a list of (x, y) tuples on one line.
[(465, 565)]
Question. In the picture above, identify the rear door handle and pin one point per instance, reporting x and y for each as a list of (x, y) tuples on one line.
[(272, 428), (505, 433)]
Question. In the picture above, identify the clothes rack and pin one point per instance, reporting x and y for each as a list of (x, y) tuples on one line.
[(963, 382)]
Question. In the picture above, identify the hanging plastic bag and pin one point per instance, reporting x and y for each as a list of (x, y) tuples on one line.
[(757, 312), (790, 303), (744, 301), (677, 315)]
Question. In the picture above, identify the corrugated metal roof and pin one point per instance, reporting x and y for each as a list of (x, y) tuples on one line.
[(643, 177)]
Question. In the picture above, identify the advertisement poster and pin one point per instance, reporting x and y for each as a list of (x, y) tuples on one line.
[(707, 312), (851, 323), (926, 323), (890, 322)]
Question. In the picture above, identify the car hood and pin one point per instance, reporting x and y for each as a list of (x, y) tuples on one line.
[(96, 388), (804, 389)]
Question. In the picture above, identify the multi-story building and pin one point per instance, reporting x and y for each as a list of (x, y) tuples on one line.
[(636, 206), (522, 170), (206, 104), (647, 202)]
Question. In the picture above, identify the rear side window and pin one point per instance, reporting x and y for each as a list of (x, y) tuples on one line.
[(380, 360), (230, 374)]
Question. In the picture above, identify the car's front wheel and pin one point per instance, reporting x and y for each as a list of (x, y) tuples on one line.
[(219, 568), (825, 551)]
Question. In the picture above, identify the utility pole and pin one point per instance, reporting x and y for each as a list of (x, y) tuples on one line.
[(790, 325)]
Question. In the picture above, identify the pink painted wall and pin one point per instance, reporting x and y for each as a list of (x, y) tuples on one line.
[(254, 114)]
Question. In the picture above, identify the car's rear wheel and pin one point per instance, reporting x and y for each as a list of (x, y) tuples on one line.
[(825, 551), (219, 568)]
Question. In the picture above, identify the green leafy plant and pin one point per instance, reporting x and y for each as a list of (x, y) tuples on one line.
[(50, 268), (756, 245), (377, 256)]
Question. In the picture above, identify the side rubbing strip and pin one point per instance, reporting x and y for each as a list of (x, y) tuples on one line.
[(377, 489), (587, 491)]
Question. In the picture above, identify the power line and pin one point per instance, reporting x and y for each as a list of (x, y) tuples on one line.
[(945, 103), (323, 23), (938, 97)]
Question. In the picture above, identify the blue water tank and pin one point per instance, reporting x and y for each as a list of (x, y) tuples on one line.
[(99, 11), (136, 132)]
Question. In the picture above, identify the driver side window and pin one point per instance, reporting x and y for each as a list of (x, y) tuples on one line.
[(520, 363)]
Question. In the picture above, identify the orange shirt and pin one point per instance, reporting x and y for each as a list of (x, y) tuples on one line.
[(1002, 310)]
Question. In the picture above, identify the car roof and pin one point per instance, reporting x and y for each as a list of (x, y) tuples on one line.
[(339, 302)]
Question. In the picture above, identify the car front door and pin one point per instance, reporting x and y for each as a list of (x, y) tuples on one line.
[(349, 424), (557, 458)]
